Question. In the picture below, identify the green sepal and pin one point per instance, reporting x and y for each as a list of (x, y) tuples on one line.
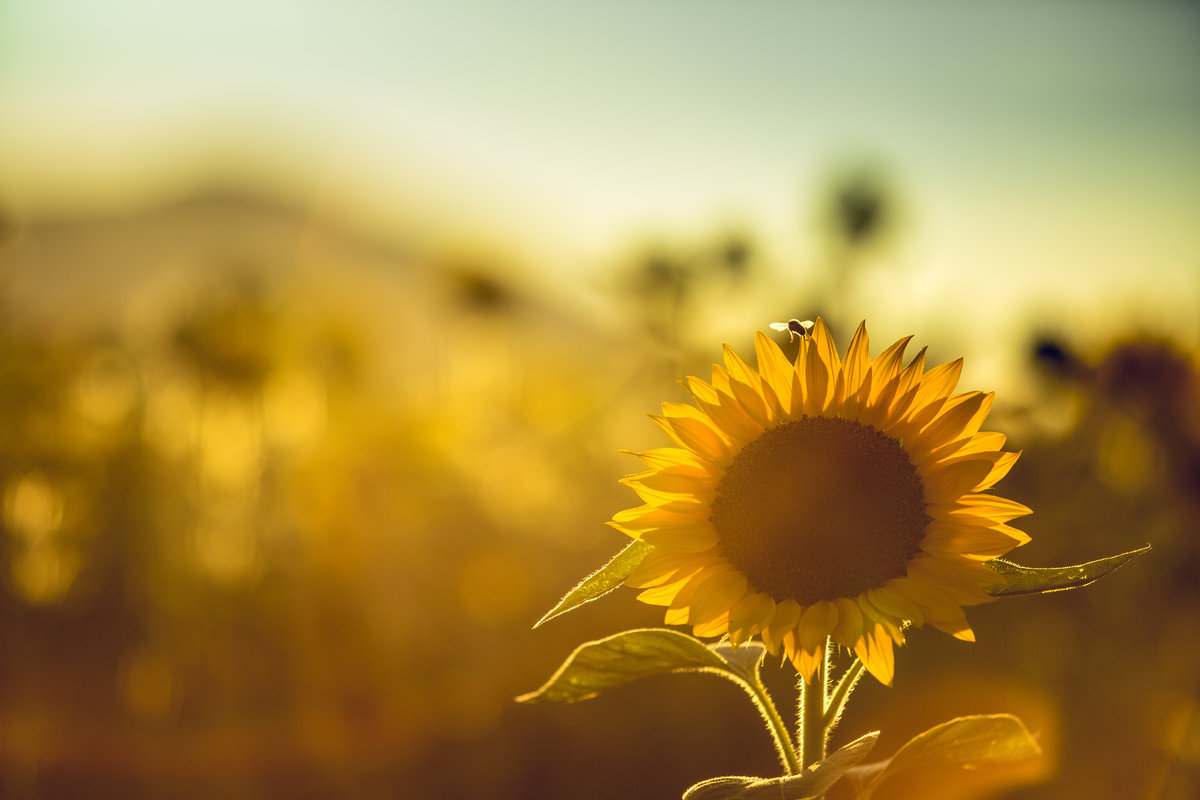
[(743, 660), (1019, 580), (965, 742), (602, 581), (624, 657), (814, 782)]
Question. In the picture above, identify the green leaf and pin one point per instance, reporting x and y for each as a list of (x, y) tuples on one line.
[(965, 742), (602, 581), (625, 657), (814, 782), (736, 787), (1020, 580), (729, 787)]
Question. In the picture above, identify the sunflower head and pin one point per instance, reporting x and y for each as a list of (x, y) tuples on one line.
[(828, 496)]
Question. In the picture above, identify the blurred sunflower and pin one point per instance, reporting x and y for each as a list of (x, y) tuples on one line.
[(825, 497)]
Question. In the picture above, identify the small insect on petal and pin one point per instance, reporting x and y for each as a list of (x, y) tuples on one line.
[(794, 328)]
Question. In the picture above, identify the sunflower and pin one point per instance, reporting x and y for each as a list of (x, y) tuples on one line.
[(825, 497)]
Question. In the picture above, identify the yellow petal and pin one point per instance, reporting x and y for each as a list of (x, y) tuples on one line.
[(739, 369), (698, 437), (700, 390), (662, 566), (713, 627), (799, 386), (675, 458), (850, 622), (676, 616), (919, 416), (720, 379), (975, 506), (775, 369), (877, 411), (684, 411), (957, 627), (858, 361), (982, 442), (684, 596), (698, 538), (939, 382), (925, 459), (837, 397), (816, 624), (823, 343), (999, 469), (672, 484), (790, 648), (731, 418), (958, 422), (940, 611), (665, 594), (896, 605), (873, 614), (874, 649), (936, 605), (909, 379), (820, 365), (946, 483), (675, 503), (749, 616), (977, 544), (807, 661), (752, 400), (959, 577), (647, 517), (886, 365), (896, 631), (717, 595), (854, 405), (881, 415), (979, 443), (967, 525), (787, 616)]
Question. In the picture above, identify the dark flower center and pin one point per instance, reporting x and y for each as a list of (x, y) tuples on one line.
[(820, 508)]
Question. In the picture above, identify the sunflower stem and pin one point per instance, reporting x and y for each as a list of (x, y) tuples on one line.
[(778, 729), (813, 702), (841, 693)]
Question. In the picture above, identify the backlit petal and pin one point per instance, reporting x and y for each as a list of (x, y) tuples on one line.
[(858, 361), (749, 616), (717, 595), (775, 369), (850, 622)]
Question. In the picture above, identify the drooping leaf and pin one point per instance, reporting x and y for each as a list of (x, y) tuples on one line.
[(729, 787), (625, 657), (963, 742), (602, 581), (1019, 580), (740, 788), (814, 782)]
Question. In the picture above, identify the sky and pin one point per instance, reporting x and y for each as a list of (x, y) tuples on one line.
[(1046, 152)]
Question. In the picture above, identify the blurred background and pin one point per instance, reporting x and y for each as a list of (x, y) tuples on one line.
[(321, 328)]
